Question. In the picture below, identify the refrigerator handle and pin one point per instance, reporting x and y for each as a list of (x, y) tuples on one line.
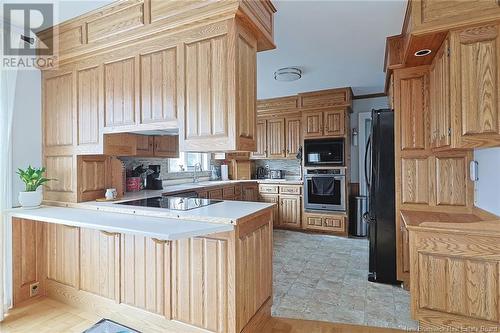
[(368, 144)]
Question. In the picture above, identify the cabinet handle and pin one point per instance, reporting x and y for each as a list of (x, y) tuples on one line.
[(110, 234), (160, 241)]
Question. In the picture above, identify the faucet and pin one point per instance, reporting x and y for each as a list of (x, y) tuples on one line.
[(195, 172)]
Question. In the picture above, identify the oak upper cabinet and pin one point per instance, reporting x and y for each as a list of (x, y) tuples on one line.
[(261, 136), (313, 124), (119, 93), (475, 82), (439, 95), (290, 209), (293, 136), (410, 88), (166, 146), (325, 123), (218, 92), (276, 138), (145, 145)]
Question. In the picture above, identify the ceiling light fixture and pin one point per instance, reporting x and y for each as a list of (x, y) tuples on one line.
[(288, 74), (422, 53)]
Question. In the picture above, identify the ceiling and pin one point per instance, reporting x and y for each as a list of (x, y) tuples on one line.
[(336, 43)]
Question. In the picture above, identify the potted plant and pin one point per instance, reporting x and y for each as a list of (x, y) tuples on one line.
[(33, 179)]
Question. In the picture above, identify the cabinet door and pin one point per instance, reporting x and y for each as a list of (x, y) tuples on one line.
[(249, 193), (313, 124), (144, 145), (166, 146), (475, 75), (439, 94), (290, 210), (63, 243), (145, 273), (119, 93), (276, 138), (334, 122), (261, 139), (100, 263), (411, 87), (215, 194), (293, 135), (272, 198)]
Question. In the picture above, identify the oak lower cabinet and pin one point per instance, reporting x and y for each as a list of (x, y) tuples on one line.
[(220, 283), (215, 194), (335, 223), (275, 199), (454, 276), (290, 209), (249, 192)]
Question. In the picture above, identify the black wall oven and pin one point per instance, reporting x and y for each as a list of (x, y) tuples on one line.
[(324, 152), (325, 189)]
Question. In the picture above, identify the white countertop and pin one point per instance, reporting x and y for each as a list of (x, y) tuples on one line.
[(157, 227)]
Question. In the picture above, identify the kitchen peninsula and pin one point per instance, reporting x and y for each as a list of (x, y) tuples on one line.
[(166, 273)]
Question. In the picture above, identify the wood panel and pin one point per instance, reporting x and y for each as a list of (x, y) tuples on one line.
[(205, 90), (415, 180), (325, 98), (273, 105), (290, 210), (293, 136), (92, 180), (145, 273), (439, 99), (100, 263), (63, 253), (119, 93), (159, 86), (276, 138), (475, 76), (28, 266), (89, 109), (115, 22), (261, 138), (254, 273), (313, 124), (200, 282), (334, 123), (413, 105), (451, 180), (58, 110), (166, 146)]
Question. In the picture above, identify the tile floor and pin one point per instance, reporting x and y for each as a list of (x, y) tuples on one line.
[(324, 278)]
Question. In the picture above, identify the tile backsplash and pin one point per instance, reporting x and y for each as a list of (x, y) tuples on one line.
[(292, 168), (132, 162)]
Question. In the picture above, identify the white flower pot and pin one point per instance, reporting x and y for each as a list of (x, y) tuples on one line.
[(30, 199)]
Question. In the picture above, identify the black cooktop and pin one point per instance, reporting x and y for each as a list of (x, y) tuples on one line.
[(174, 203)]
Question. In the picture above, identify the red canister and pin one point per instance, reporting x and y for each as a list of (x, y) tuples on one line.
[(133, 184)]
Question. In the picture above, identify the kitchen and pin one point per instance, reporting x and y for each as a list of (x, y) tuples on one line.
[(202, 174)]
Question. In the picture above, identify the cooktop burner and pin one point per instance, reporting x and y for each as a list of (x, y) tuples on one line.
[(174, 203)]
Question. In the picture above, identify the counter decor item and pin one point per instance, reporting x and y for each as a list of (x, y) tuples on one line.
[(111, 194), (33, 179)]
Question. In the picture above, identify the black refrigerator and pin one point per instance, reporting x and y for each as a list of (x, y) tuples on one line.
[(381, 215)]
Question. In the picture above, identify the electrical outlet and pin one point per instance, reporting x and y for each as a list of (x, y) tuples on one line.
[(34, 289)]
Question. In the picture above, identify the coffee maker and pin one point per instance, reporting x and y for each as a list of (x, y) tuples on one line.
[(153, 182)]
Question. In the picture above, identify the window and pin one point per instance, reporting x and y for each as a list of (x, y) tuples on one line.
[(187, 161)]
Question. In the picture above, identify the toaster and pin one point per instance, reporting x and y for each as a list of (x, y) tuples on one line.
[(276, 174)]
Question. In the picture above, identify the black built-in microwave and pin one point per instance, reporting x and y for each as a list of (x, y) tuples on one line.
[(324, 152)]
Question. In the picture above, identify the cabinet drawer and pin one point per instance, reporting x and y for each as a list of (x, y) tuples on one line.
[(324, 222), (333, 223), (228, 192), (268, 189), (289, 189)]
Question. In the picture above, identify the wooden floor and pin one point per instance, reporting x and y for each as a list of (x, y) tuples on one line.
[(45, 315)]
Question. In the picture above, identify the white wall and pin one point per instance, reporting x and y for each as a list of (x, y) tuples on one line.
[(362, 105), (487, 188), (26, 126)]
